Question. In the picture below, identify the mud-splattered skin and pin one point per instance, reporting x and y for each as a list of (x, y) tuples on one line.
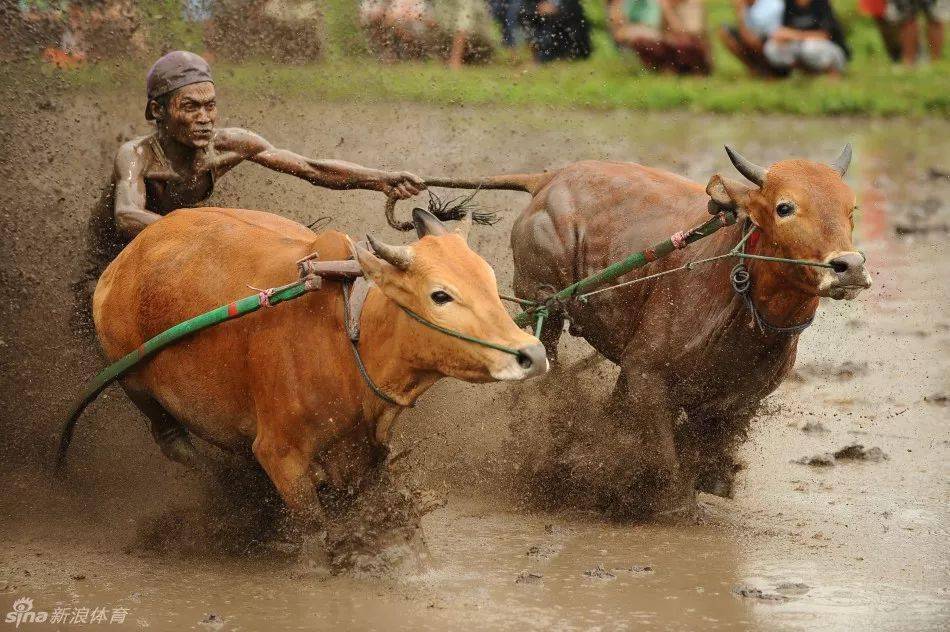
[(178, 165), (685, 342)]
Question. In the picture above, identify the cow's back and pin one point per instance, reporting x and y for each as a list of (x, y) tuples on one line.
[(594, 213), (194, 260)]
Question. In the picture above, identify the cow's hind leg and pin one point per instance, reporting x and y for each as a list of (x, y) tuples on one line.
[(170, 435)]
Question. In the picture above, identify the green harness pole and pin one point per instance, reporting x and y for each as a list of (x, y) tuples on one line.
[(218, 315), (536, 315)]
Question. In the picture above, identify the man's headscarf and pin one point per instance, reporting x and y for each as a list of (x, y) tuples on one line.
[(175, 70)]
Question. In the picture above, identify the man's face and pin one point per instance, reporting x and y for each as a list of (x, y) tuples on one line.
[(191, 115)]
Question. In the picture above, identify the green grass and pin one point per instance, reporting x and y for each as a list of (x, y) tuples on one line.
[(610, 79)]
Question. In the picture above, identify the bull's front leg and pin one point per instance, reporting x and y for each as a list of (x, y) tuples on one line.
[(288, 462), (655, 484), (708, 445)]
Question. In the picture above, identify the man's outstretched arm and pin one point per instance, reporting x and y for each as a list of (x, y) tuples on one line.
[(332, 174), (130, 213)]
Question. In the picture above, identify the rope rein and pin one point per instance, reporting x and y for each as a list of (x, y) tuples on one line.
[(740, 277), (460, 335)]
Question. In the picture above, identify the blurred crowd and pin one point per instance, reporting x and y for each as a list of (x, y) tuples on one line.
[(772, 38)]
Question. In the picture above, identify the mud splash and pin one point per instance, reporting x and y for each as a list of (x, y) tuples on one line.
[(869, 539)]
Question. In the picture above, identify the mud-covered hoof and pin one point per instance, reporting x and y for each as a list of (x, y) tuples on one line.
[(312, 560), (180, 450)]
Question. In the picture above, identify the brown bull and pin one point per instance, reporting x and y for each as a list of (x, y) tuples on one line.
[(685, 343), (283, 383)]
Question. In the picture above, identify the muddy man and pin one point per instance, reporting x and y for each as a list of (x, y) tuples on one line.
[(177, 166)]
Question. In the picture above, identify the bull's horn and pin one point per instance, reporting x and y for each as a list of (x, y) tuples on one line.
[(842, 162), (464, 226), (753, 172), (427, 224), (399, 256)]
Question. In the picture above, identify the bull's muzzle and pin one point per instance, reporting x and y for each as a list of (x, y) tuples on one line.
[(846, 278), (531, 361)]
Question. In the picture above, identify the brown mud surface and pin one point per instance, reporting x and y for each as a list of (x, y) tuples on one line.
[(854, 544)]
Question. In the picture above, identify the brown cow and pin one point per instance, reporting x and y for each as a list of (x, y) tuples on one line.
[(694, 363), (283, 383)]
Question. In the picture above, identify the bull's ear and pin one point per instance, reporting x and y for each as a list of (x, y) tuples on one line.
[(728, 193)]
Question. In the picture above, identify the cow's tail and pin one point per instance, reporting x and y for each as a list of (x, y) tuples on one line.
[(455, 209), (66, 436)]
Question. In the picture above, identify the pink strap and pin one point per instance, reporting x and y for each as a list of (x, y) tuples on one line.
[(264, 297), (678, 239)]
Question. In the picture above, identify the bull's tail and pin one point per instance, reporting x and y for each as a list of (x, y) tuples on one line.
[(458, 208), (66, 436)]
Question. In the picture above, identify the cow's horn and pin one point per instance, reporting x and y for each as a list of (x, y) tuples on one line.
[(842, 162), (399, 256), (753, 172), (464, 226)]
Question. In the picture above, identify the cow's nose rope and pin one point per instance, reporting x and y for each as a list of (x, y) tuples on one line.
[(737, 251), (460, 335)]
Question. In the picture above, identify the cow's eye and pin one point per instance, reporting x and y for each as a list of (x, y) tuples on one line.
[(441, 298), (784, 209)]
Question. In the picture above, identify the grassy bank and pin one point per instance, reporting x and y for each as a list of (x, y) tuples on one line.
[(610, 79)]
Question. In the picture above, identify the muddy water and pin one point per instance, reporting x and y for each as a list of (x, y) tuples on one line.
[(856, 544)]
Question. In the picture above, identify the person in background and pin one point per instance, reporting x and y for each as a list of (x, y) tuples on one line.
[(888, 27), (506, 14), (556, 29), (680, 44), (757, 20), (372, 16), (634, 22), (458, 31), (904, 13), (466, 24), (810, 38), (408, 27)]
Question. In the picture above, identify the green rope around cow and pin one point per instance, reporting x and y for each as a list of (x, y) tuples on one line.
[(535, 315), (210, 318), (236, 309)]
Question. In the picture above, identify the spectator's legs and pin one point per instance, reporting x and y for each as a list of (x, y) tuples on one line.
[(890, 35), (652, 53), (499, 11), (689, 55), (935, 37), (513, 21), (646, 42), (781, 54), (822, 56), (910, 45), (750, 54)]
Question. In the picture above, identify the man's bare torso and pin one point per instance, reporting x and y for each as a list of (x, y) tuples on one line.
[(168, 186)]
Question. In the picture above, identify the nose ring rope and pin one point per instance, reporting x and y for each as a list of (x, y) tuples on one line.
[(737, 251)]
